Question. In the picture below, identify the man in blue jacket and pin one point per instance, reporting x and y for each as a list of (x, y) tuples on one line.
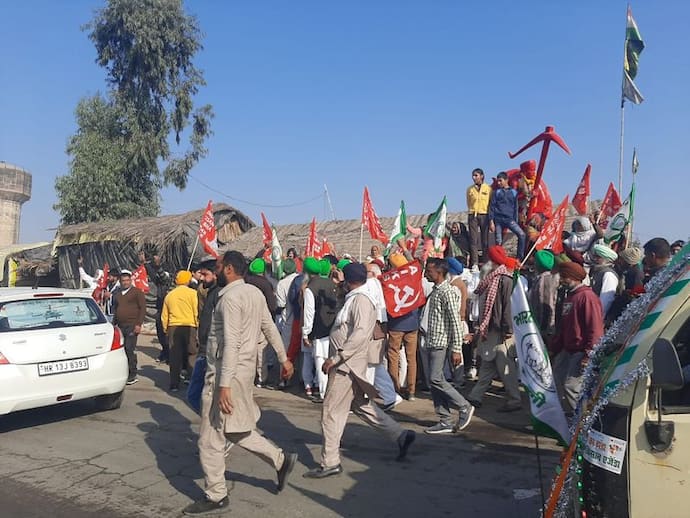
[(503, 213)]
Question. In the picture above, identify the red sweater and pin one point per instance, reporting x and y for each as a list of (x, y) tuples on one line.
[(582, 322)]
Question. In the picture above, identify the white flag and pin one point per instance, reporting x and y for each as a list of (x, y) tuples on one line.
[(618, 224), (536, 376)]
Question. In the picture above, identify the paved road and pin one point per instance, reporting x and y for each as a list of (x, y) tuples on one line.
[(141, 460)]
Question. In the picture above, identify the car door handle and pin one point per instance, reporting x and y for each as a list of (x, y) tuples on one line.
[(19, 342), (100, 334)]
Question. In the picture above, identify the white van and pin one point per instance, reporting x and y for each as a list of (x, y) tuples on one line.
[(636, 457)]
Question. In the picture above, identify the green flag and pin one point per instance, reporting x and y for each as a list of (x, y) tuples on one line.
[(399, 227), (618, 224), (436, 225), (633, 47)]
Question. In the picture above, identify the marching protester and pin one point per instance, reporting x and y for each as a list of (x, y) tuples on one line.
[(444, 332), (180, 319), (603, 276), (209, 280), (495, 345), (543, 292), (582, 324), (346, 367), (240, 323), (129, 310), (321, 305)]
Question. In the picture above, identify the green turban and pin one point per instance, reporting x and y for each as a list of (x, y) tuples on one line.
[(257, 266), (544, 260), (343, 263), (312, 266), (325, 267), (289, 266)]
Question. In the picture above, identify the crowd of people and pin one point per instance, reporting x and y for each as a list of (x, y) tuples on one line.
[(231, 327)]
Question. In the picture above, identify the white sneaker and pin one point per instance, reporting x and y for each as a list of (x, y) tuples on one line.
[(472, 373)]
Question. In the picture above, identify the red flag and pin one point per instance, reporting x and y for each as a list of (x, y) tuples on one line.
[(550, 236), (402, 289), (581, 198), (371, 220), (543, 204), (101, 285), (612, 202), (327, 247), (207, 232), (268, 233), (140, 279), (314, 247)]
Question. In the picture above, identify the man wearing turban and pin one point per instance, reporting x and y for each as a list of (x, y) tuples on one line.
[(603, 276), (542, 294), (180, 319), (581, 327)]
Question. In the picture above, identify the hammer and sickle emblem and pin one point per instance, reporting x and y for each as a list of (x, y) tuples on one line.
[(404, 301)]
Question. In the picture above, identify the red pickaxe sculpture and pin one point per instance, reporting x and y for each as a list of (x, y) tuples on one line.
[(547, 136)]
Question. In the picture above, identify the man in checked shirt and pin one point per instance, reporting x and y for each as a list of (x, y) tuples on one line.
[(444, 331)]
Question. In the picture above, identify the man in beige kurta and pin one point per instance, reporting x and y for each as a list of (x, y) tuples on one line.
[(228, 410), (350, 340)]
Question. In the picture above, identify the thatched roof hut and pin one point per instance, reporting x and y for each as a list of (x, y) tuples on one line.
[(118, 242), (27, 265)]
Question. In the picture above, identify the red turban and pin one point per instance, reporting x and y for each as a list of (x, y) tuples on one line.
[(529, 168), (498, 255), (574, 255)]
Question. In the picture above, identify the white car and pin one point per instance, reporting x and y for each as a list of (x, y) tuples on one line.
[(56, 346)]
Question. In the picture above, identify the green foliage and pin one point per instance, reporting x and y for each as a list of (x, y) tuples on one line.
[(121, 156), (100, 184)]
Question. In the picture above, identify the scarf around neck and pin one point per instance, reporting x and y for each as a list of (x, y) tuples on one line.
[(490, 285)]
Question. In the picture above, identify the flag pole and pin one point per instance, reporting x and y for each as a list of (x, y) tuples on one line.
[(361, 238), (539, 471), (191, 257), (620, 150)]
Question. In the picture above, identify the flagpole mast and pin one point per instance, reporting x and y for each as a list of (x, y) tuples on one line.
[(191, 257), (361, 238), (620, 155)]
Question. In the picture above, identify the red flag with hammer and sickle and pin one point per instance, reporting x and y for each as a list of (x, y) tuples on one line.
[(207, 232), (550, 237), (371, 220), (140, 279), (402, 289), (268, 231)]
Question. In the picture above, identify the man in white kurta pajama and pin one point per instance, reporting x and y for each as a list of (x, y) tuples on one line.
[(348, 387), (228, 411)]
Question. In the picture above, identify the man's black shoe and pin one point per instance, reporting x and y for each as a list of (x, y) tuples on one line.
[(404, 441), (286, 469), (322, 472), (206, 506)]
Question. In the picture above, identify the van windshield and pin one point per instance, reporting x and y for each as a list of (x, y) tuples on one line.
[(41, 313)]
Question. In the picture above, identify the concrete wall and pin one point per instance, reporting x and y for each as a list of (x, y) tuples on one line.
[(15, 189)]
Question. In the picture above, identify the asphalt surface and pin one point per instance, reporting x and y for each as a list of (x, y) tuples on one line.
[(141, 460)]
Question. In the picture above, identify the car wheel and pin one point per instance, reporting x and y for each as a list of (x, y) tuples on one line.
[(110, 401)]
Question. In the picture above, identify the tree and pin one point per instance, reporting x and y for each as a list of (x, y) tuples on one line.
[(147, 48), (100, 184)]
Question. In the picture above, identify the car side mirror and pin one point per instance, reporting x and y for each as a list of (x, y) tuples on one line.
[(667, 374)]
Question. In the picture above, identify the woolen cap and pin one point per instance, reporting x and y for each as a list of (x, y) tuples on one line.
[(355, 272)]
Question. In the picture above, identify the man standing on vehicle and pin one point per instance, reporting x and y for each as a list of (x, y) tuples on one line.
[(657, 254), (503, 213), (130, 309), (478, 198)]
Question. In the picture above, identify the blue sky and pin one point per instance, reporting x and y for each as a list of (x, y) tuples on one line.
[(405, 97)]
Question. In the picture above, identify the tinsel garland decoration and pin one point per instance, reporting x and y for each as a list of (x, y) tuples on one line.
[(593, 395)]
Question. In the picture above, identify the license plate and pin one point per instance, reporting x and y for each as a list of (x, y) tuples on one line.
[(62, 366)]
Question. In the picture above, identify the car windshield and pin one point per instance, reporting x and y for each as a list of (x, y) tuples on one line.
[(41, 313)]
